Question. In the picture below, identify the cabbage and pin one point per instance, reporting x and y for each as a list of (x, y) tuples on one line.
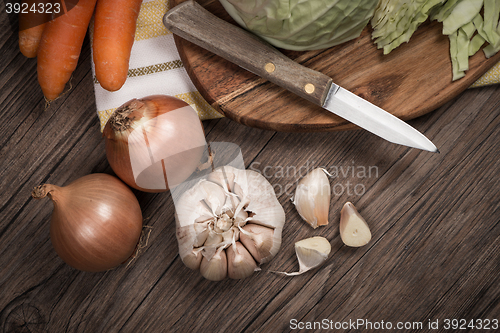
[(395, 21), (467, 28), (463, 13), (302, 24)]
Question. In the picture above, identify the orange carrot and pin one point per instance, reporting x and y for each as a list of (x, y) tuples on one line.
[(29, 39), (60, 48), (114, 32), (31, 24)]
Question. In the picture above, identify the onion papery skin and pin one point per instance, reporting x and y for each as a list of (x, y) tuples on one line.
[(96, 223), (157, 143)]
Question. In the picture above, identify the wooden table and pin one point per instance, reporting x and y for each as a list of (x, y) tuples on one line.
[(434, 256)]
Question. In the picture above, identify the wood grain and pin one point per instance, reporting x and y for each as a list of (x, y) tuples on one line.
[(435, 252), (412, 80)]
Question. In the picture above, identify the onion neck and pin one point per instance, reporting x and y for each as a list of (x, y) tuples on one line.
[(42, 191), (123, 117)]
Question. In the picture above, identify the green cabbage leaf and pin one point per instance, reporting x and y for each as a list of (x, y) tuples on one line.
[(395, 21), (302, 24), (469, 24)]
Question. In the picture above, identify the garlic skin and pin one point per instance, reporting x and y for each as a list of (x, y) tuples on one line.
[(228, 224), (354, 231), (312, 198)]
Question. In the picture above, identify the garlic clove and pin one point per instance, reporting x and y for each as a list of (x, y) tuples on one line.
[(211, 244), (311, 253), (312, 198), (223, 223), (213, 238), (258, 240), (354, 231), (240, 219), (186, 237), (214, 269), (202, 231), (240, 263), (203, 218), (230, 236), (193, 259)]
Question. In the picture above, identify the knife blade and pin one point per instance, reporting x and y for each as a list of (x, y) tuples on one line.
[(194, 23)]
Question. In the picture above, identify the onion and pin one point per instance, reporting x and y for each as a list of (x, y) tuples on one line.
[(96, 223), (154, 143)]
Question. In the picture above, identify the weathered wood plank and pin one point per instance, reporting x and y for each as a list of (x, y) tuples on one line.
[(403, 263)]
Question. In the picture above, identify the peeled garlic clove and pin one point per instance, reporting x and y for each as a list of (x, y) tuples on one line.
[(312, 198), (214, 269), (240, 263), (258, 240), (354, 230), (311, 253)]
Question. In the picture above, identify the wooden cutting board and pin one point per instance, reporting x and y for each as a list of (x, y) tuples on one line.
[(412, 80)]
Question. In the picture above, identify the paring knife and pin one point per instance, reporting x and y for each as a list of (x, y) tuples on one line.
[(194, 23)]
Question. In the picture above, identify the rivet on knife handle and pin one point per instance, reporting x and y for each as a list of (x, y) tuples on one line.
[(192, 22)]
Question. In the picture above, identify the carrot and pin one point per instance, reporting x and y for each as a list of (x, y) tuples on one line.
[(31, 24), (29, 39), (114, 31), (60, 47)]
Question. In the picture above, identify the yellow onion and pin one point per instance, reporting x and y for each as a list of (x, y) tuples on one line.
[(154, 143), (96, 223)]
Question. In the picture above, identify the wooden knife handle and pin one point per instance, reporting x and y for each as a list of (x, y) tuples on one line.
[(194, 23)]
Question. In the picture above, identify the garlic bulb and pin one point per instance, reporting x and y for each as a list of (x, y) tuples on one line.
[(311, 253), (312, 198), (228, 224)]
